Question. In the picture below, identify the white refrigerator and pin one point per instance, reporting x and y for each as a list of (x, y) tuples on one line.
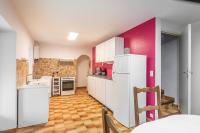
[(128, 71)]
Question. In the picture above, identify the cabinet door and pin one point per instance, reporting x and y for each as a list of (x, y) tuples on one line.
[(101, 52), (106, 51), (97, 53), (98, 87), (112, 49), (93, 86), (103, 91), (89, 85), (100, 90), (109, 94)]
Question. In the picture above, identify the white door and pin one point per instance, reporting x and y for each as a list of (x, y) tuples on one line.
[(185, 70), (195, 108)]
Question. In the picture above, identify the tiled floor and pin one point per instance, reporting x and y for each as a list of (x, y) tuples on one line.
[(78, 113)]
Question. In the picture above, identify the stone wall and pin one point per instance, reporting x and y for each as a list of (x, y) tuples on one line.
[(50, 66), (22, 71)]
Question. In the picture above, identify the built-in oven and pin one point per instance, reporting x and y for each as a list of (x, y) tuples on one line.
[(67, 85)]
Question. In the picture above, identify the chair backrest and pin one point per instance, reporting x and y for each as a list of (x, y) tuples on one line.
[(138, 109), (108, 123)]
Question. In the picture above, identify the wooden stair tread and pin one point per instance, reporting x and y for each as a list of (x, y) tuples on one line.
[(167, 100), (170, 111), (167, 105), (162, 92)]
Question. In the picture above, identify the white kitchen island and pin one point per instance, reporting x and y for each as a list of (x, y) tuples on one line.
[(33, 105)]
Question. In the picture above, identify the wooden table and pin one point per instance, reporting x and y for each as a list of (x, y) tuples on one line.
[(171, 124)]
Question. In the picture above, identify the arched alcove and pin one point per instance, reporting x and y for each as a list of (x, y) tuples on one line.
[(83, 68)]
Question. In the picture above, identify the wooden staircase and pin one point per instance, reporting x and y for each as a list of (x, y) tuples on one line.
[(168, 107)]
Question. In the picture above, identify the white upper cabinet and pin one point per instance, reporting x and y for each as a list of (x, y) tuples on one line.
[(106, 51), (98, 53), (102, 53)]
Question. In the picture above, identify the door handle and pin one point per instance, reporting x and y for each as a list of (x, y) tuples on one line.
[(187, 73)]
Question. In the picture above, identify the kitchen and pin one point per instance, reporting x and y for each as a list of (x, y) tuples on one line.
[(59, 70), (56, 77)]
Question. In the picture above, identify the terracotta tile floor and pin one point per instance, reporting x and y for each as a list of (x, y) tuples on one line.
[(78, 113)]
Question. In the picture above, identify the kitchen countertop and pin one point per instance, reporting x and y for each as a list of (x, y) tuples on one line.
[(34, 86), (100, 76)]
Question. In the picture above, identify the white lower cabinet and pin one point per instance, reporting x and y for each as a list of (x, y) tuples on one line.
[(102, 90), (109, 94), (91, 86)]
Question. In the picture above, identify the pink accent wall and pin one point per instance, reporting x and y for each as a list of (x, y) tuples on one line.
[(141, 40)]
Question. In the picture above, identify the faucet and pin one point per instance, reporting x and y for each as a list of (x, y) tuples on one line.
[(27, 79)]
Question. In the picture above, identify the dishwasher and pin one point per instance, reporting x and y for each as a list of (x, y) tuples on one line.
[(33, 105)]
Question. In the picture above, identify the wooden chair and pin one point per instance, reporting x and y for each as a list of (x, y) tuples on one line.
[(108, 123), (146, 108)]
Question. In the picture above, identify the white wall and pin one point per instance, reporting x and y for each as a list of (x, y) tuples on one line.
[(171, 27), (82, 70), (24, 41), (158, 53), (8, 92), (195, 98), (170, 69), (63, 52)]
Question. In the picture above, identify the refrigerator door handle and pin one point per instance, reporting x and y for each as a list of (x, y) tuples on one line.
[(113, 69)]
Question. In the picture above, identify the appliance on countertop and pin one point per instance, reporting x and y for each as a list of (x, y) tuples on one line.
[(103, 72), (128, 71), (67, 85), (98, 71)]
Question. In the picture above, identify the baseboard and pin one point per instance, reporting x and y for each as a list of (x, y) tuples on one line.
[(83, 87)]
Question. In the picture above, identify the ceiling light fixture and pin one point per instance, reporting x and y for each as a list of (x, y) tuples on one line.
[(72, 36)]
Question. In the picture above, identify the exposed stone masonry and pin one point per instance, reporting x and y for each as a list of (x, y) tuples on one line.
[(50, 66)]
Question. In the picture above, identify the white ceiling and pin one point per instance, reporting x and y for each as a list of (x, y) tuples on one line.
[(49, 21)]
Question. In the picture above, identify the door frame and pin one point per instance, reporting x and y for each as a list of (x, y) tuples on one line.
[(189, 68), (158, 58), (178, 39)]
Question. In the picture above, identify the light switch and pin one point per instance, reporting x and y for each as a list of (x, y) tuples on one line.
[(151, 73)]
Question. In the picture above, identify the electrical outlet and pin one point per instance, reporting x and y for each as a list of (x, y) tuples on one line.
[(151, 73), (151, 115)]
